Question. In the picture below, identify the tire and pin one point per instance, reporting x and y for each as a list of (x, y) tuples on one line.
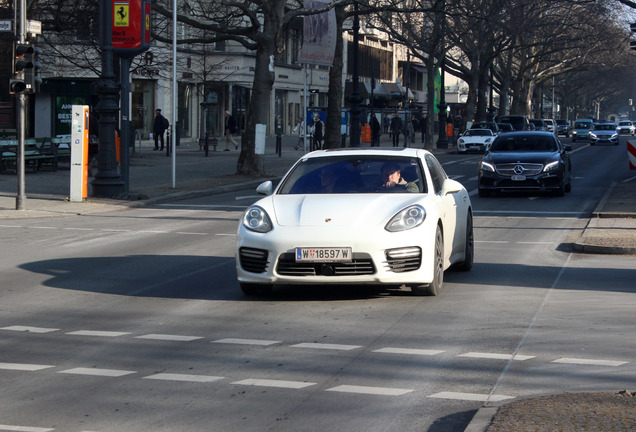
[(560, 191), (568, 187), (435, 286), (252, 289), (469, 254), (483, 193)]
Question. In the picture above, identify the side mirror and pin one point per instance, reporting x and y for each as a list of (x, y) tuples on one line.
[(265, 188), (451, 186)]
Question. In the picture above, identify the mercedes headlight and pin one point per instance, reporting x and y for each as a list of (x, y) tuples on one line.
[(551, 166), (406, 219), (256, 219), (485, 166)]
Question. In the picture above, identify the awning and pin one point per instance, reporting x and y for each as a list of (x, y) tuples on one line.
[(393, 89)]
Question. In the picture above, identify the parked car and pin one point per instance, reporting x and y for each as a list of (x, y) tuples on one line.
[(563, 127), (337, 217), (625, 127), (533, 161), (486, 125), (604, 133), (550, 125), (518, 122), (582, 128), (505, 127), (539, 125), (475, 139)]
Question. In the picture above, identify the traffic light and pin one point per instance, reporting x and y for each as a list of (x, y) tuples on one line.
[(25, 69), (32, 74)]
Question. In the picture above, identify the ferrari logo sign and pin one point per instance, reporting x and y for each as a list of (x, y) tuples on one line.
[(121, 14)]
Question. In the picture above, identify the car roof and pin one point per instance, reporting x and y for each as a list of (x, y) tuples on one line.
[(362, 151), (528, 134)]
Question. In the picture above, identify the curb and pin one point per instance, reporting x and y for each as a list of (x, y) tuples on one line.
[(482, 419)]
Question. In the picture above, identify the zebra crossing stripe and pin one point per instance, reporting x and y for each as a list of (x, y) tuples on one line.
[(380, 391)]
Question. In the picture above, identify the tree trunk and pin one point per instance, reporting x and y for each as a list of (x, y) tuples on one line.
[(334, 99)]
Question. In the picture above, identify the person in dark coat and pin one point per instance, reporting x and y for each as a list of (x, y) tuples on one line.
[(159, 127), (230, 129), (396, 129), (376, 131)]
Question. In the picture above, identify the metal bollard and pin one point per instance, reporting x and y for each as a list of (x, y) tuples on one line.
[(206, 146)]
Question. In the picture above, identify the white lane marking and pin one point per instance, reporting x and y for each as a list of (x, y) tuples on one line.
[(78, 229), (97, 333), (409, 351), (23, 366), (238, 198), (11, 226), (492, 241), (526, 212), (165, 337), (327, 346), (115, 230), (152, 232), (43, 227), (473, 178), (16, 428), (30, 329), (259, 342), (274, 383), (381, 391), (484, 355), (97, 372), (536, 243), (470, 396), (581, 361), (458, 176), (230, 235), (184, 377), (203, 206), (191, 233)]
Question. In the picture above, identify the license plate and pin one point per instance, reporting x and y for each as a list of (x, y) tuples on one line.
[(322, 254), (518, 177)]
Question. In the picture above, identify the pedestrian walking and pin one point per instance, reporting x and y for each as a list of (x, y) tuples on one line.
[(409, 131), (396, 128), (424, 127), (299, 129), (159, 127), (318, 128), (230, 129), (376, 131)]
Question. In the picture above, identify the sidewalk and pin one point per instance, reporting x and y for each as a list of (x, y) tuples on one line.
[(611, 229)]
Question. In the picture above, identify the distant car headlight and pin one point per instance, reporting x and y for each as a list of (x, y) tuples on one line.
[(573, 132), (551, 166), (614, 136), (461, 141), (406, 219), (485, 166), (256, 219), (593, 135)]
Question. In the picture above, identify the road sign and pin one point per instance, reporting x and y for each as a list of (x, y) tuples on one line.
[(6, 25), (34, 27)]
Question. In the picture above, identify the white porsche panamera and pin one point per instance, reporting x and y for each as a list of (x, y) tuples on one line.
[(357, 216)]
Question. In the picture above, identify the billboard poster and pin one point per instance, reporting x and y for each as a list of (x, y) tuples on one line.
[(319, 35)]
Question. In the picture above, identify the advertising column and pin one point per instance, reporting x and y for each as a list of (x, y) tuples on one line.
[(79, 152)]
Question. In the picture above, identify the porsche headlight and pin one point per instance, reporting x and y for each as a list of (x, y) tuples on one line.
[(593, 135), (551, 166), (256, 219), (406, 219)]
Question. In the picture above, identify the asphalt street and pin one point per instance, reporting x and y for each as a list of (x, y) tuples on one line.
[(133, 320)]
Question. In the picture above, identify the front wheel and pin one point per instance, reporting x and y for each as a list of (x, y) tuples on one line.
[(469, 254), (435, 286)]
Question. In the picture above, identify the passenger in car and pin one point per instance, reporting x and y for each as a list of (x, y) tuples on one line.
[(392, 180)]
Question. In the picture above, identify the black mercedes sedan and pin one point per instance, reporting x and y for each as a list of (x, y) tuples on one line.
[(526, 161)]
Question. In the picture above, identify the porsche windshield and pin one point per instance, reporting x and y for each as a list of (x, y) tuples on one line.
[(355, 174)]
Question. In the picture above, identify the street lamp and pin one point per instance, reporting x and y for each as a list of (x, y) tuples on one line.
[(355, 92), (107, 182), (442, 141)]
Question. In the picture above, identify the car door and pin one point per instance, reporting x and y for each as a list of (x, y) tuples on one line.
[(447, 208)]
